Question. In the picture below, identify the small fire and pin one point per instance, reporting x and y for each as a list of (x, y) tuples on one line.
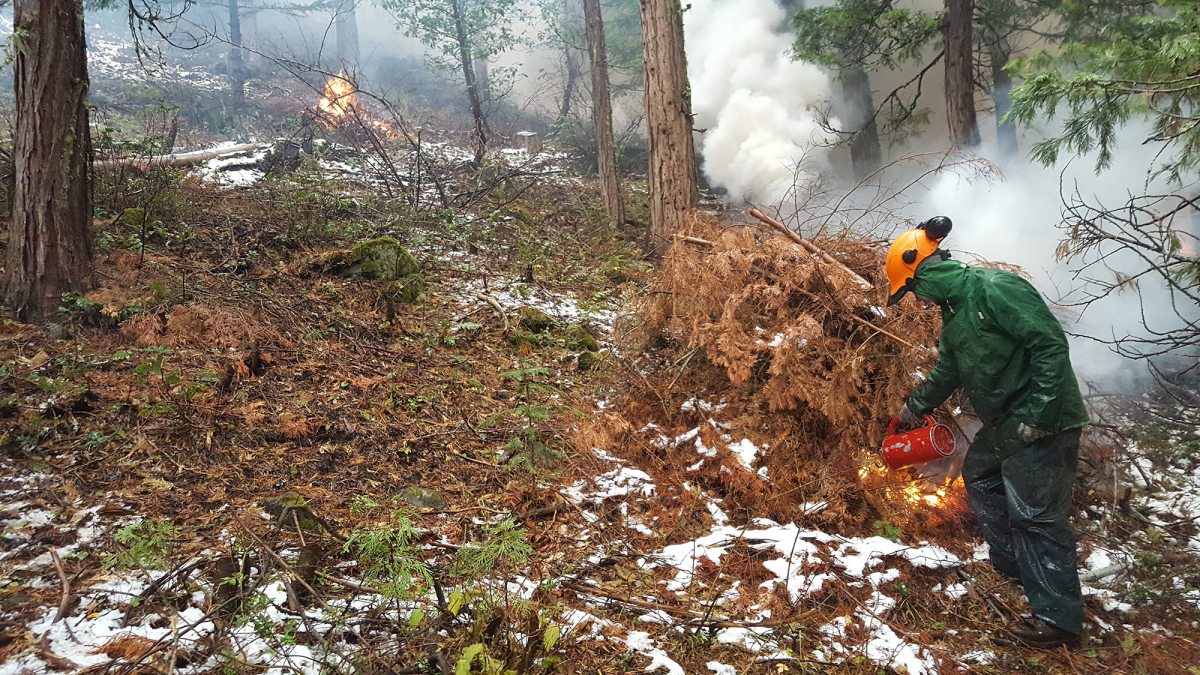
[(919, 492), (339, 103), (339, 99)]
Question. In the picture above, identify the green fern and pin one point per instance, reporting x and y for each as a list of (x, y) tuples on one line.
[(389, 556), (148, 545), (505, 544)]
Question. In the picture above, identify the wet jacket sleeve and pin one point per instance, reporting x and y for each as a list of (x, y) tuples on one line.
[(936, 388), (1018, 309)]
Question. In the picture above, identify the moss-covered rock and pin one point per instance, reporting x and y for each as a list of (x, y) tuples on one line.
[(589, 360), (580, 340), (534, 320), (405, 291), (619, 269), (422, 498), (382, 258), (519, 338), (134, 218)]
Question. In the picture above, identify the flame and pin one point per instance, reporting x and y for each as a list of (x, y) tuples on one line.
[(919, 492), (339, 99), (339, 102)]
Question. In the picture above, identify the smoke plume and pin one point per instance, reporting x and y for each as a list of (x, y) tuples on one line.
[(762, 139), (1018, 220)]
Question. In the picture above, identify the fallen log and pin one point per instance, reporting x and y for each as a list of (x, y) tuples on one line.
[(178, 159), (810, 247)]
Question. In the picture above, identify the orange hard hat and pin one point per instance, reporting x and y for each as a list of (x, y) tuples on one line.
[(907, 252)]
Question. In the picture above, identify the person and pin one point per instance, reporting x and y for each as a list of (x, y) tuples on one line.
[(1003, 347)]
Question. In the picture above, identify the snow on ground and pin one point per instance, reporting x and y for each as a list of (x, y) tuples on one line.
[(111, 56), (108, 615), (234, 171), (642, 643), (1180, 501), (108, 606), (745, 451), (792, 553), (626, 484), (561, 307)]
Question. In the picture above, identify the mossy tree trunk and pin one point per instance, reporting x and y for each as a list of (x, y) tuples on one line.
[(860, 109), (467, 63), (49, 245), (1002, 85), (570, 61)]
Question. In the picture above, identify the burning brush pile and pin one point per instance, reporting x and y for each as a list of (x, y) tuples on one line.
[(339, 105), (746, 335)]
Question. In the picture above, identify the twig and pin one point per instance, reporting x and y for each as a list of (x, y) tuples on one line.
[(691, 618), (176, 160), (987, 597), (1103, 572), (299, 530), (810, 247), (694, 241), (885, 332), (351, 585), (287, 569), (477, 461), (495, 305), (182, 568), (66, 587)]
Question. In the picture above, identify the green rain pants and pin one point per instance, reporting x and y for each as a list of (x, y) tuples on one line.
[(1021, 495)]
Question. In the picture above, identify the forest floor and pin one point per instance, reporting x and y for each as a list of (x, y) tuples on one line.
[(224, 460), (228, 459)]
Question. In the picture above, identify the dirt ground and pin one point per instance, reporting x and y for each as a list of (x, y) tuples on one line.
[(225, 460)]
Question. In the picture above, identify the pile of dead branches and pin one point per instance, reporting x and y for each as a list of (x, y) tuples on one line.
[(798, 350), (791, 329)]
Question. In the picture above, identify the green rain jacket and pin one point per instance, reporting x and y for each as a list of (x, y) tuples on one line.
[(1001, 344)]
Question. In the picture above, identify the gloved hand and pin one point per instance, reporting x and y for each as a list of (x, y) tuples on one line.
[(907, 416), (1030, 434)]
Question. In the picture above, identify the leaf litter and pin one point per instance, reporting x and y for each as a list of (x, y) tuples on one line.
[(769, 546)]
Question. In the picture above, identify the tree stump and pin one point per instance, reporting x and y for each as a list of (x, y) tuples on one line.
[(529, 141)]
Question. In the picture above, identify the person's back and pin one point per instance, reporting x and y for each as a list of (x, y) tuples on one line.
[(1009, 350)]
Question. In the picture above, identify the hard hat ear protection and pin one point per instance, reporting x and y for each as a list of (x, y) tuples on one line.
[(937, 227), (909, 250)]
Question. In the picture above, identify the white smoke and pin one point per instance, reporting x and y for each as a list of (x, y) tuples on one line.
[(762, 138), (1018, 221)]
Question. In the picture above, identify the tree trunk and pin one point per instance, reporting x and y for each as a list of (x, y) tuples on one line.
[(572, 81), (49, 244), (251, 47), (237, 70), (483, 80), (672, 174), (572, 63), (468, 69), (960, 74), (346, 23), (602, 112), (1006, 132), (860, 118)]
